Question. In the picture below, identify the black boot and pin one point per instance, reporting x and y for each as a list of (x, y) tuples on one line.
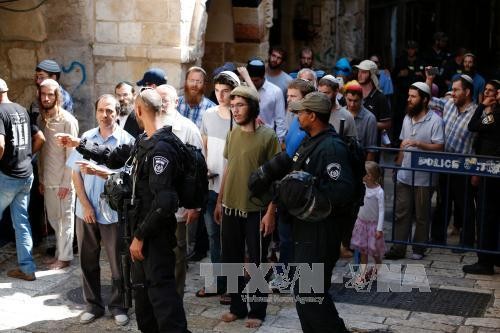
[(478, 268)]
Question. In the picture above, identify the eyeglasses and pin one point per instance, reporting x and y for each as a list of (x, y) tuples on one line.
[(40, 77), (197, 82)]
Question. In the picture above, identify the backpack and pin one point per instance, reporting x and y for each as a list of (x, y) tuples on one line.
[(191, 179)]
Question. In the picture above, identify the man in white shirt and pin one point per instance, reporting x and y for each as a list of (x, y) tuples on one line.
[(271, 100), (187, 132)]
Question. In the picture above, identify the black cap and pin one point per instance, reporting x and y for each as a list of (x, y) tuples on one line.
[(256, 67), (153, 76)]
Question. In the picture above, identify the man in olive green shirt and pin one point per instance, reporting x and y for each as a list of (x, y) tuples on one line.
[(244, 221)]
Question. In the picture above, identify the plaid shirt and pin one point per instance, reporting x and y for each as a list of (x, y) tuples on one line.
[(457, 138), (194, 113)]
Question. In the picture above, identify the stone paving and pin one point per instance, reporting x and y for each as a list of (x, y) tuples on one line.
[(43, 305)]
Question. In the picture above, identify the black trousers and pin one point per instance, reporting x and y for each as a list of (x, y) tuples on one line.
[(237, 231), (456, 190), (489, 220), (317, 242), (346, 217), (158, 307)]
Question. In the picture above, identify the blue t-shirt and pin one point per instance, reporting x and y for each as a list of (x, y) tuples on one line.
[(294, 137)]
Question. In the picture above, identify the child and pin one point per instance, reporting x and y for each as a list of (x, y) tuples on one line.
[(367, 235)]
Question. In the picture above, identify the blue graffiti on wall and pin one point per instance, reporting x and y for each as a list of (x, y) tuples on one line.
[(76, 66)]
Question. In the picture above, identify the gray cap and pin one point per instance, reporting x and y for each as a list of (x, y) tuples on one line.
[(423, 87), (368, 65), (49, 66), (247, 92), (3, 86), (315, 102)]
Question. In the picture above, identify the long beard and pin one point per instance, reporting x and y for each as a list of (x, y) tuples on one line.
[(49, 107), (273, 65), (125, 109), (413, 111), (193, 98)]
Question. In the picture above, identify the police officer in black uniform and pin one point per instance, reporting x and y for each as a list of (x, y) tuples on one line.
[(158, 307), (311, 195)]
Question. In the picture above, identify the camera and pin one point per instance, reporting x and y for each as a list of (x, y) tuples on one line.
[(117, 189), (275, 169), (433, 71)]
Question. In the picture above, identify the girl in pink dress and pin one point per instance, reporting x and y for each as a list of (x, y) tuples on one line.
[(367, 235)]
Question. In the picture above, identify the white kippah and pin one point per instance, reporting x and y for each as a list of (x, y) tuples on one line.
[(423, 87), (232, 75)]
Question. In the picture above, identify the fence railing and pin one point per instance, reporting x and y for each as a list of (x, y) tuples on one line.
[(454, 172)]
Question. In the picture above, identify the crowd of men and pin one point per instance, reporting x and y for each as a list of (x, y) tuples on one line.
[(256, 113)]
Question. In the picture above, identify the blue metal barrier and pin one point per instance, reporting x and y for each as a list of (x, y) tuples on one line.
[(448, 166)]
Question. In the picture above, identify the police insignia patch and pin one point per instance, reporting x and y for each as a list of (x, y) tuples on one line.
[(333, 170), (159, 164)]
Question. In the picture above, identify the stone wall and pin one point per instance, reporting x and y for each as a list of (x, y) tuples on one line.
[(99, 43), (134, 35), (51, 31), (321, 17), (245, 35)]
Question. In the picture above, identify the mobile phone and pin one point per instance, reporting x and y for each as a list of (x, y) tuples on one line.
[(433, 71)]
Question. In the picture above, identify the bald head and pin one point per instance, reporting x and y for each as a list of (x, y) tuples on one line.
[(169, 97), (150, 100)]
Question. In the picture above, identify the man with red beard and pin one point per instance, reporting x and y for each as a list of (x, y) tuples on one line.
[(274, 72), (194, 104), (55, 176), (422, 130)]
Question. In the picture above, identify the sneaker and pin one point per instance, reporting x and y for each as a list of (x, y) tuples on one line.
[(479, 269), (121, 319), (417, 256), (19, 274), (276, 284), (87, 318)]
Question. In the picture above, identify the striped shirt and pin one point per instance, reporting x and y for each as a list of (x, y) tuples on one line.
[(195, 113), (457, 137)]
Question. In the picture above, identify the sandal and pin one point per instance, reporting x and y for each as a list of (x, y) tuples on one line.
[(202, 293)]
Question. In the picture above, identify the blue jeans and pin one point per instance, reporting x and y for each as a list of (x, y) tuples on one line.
[(213, 230), (16, 193)]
